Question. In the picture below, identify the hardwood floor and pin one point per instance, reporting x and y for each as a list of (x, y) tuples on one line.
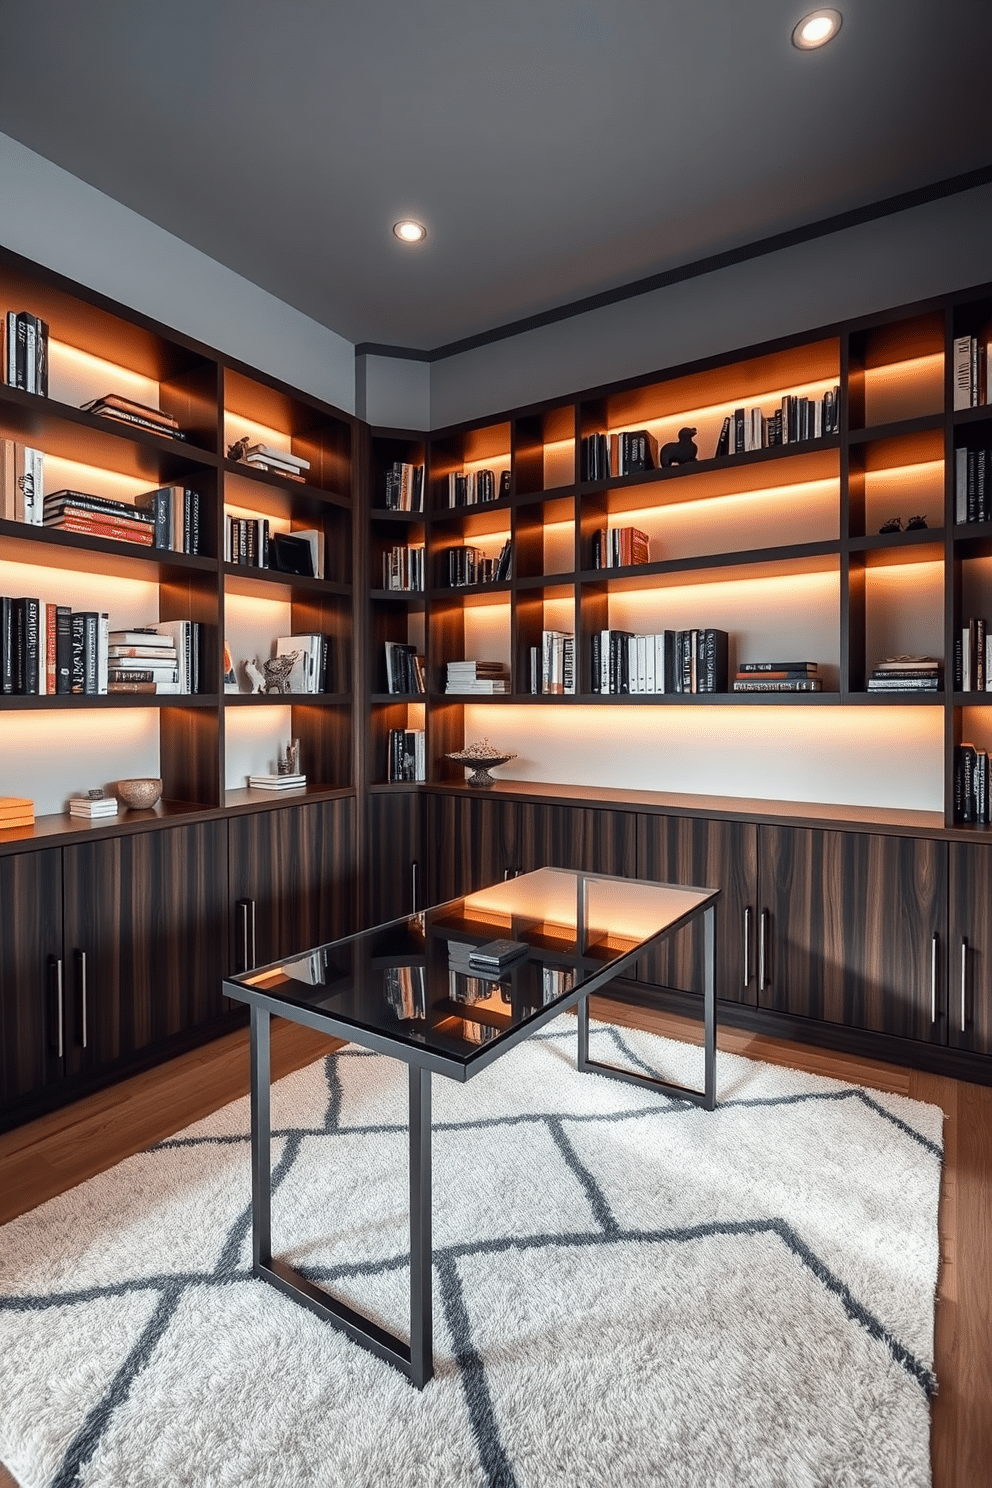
[(58, 1151)]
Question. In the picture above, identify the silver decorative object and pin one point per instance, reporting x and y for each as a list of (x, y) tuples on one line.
[(277, 671), (289, 763), (483, 756)]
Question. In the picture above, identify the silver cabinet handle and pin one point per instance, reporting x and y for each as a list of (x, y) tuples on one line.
[(964, 980), (414, 889), (58, 988), (84, 1018), (254, 948), (762, 936), (246, 909), (747, 945), (933, 978)]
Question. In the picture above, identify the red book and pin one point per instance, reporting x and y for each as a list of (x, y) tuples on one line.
[(121, 531)]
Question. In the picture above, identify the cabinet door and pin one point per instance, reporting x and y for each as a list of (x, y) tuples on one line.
[(473, 842), (706, 854), (969, 980), (578, 837), (855, 929), (294, 868), (145, 926), (30, 953), (396, 855)]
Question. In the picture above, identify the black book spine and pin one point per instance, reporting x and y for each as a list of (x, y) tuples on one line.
[(6, 646), (63, 650), (738, 430), (325, 664), (597, 662), (194, 521), (28, 650)]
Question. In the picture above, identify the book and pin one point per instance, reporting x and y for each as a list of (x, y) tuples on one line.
[(797, 684), (143, 636), (25, 352), (93, 806), (277, 782), (798, 668), (116, 403)]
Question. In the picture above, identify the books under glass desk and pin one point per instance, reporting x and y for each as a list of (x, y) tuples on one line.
[(408, 990)]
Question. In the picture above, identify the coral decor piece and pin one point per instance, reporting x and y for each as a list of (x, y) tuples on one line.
[(483, 756)]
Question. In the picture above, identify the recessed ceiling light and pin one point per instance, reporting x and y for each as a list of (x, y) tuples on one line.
[(409, 231), (816, 29)]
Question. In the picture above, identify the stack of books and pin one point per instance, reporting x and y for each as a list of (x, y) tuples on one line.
[(626, 453), (478, 677), (407, 755), (552, 667), (93, 808), (276, 782), (99, 516), (46, 650), (25, 352), (778, 676), (275, 461), (404, 668), (907, 674), (22, 482), (15, 811), (404, 487), (620, 547), (134, 415), (670, 661), (142, 661)]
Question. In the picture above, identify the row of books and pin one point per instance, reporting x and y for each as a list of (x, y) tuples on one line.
[(167, 518), (269, 460), (671, 661), (134, 415), (22, 483), (972, 485), (404, 487), (778, 676), (307, 665), (404, 668), (971, 786), (626, 453), (484, 677), (467, 565), (970, 372), (406, 757), (25, 352), (620, 547), (403, 567), (474, 487), (49, 650), (973, 657), (907, 674), (250, 542), (552, 664), (796, 421)]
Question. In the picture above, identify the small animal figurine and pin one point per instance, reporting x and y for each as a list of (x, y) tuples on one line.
[(239, 449), (916, 524), (255, 676), (278, 669), (894, 524), (680, 451)]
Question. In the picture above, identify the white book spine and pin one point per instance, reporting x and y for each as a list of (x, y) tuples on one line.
[(962, 372)]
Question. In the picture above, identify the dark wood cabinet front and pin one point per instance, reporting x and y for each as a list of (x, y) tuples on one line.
[(396, 867), (578, 837), (853, 929), (292, 879), (969, 980), (706, 854), (32, 1037), (472, 841)]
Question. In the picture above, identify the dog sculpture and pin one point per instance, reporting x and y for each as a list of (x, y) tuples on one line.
[(680, 452)]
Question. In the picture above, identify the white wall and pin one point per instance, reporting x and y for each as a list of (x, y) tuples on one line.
[(393, 392), (55, 219), (925, 251)]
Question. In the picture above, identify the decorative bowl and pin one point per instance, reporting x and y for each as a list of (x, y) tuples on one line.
[(139, 793), (482, 757)]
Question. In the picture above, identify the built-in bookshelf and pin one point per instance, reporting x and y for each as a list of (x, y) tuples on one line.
[(203, 744), (780, 538)]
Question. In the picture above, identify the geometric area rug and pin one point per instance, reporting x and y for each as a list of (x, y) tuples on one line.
[(628, 1290)]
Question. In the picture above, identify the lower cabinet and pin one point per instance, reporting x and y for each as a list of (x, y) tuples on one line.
[(396, 880), (969, 982), (30, 952), (706, 854), (852, 929), (292, 879)]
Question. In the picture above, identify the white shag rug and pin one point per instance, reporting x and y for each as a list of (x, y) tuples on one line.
[(628, 1290)]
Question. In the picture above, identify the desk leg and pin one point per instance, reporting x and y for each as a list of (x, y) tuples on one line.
[(582, 1013), (709, 1008), (421, 1246), (261, 1141)]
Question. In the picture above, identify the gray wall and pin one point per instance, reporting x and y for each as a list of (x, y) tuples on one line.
[(393, 392), (55, 219), (910, 256)]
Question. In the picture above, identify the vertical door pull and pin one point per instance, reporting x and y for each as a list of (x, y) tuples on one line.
[(83, 998), (762, 948), (58, 997), (246, 913), (254, 948), (747, 945), (414, 885), (933, 978), (964, 980)]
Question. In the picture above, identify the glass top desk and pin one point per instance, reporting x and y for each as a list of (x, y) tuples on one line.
[(408, 990)]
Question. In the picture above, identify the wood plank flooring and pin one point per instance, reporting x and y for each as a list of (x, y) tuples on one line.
[(58, 1151)]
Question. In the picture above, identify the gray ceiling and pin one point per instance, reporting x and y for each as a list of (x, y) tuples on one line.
[(554, 148)]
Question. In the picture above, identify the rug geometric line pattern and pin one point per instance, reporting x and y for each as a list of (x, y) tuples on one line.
[(602, 1205)]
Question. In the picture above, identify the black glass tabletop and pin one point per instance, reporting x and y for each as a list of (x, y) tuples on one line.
[(450, 986)]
